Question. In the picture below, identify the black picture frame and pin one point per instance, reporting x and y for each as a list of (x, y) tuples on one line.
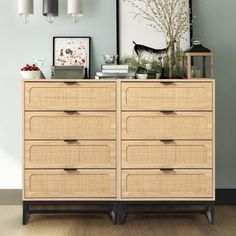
[(74, 37), (118, 25)]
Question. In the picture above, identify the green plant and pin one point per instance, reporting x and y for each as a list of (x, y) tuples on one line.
[(131, 62), (157, 66), (134, 64)]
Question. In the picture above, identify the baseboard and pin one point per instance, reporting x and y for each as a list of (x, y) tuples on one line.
[(226, 196), (10, 196), (14, 196)]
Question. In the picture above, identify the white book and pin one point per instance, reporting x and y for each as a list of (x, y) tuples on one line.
[(115, 71), (100, 74), (115, 67)]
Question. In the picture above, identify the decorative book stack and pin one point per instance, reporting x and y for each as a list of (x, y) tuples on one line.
[(114, 71)]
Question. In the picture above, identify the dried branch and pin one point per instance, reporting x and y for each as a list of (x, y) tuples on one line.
[(168, 16)]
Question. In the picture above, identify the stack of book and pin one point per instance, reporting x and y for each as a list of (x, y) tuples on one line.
[(114, 71)]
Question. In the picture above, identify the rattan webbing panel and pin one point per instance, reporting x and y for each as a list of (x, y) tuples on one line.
[(158, 184), (60, 184), (156, 125), (77, 96), (177, 154), (58, 125), (80, 154), (161, 96)]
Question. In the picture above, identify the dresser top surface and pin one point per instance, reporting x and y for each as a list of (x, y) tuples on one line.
[(122, 80)]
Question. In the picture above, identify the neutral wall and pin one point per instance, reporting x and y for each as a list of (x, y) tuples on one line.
[(215, 26), (20, 44)]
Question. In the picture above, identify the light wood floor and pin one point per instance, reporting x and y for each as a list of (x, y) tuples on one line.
[(100, 225)]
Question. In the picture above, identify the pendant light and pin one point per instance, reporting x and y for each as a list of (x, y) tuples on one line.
[(50, 9), (25, 9), (75, 9)]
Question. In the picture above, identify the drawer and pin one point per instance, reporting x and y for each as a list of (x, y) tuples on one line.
[(62, 125), (60, 154), (158, 125), (157, 154), (161, 184), (75, 95), (65, 184), (167, 96)]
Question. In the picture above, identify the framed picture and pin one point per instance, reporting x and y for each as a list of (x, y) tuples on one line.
[(72, 51), (144, 31)]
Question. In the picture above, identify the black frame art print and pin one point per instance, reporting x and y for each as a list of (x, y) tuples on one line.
[(72, 51), (128, 35)]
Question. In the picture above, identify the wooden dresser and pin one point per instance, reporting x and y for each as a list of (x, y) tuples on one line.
[(119, 141)]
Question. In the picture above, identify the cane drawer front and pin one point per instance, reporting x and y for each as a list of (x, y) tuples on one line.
[(167, 96), (70, 154), (167, 184), (160, 125), (69, 184), (70, 95), (170, 154), (62, 125)]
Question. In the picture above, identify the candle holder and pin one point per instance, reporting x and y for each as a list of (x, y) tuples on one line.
[(198, 62)]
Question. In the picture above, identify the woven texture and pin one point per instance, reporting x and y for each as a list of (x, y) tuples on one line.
[(159, 126), (59, 154), (61, 126), (84, 96), (150, 155), (178, 184), (156, 96), (81, 184)]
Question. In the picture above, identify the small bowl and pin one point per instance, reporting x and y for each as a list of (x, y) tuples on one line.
[(110, 59), (141, 76), (30, 74)]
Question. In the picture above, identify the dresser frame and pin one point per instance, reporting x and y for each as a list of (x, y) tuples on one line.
[(118, 207)]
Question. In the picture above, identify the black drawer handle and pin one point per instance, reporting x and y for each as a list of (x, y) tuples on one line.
[(70, 82), (167, 82), (70, 169), (167, 169), (71, 112), (70, 140), (167, 140), (167, 112)]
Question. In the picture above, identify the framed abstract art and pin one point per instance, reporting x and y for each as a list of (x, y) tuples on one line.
[(71, 51)]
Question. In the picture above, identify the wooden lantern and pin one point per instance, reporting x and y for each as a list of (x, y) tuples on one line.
[(198, 62)]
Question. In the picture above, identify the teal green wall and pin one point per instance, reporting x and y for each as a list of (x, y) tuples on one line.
[(214, 25)]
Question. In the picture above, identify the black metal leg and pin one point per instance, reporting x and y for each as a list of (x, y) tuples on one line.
[(113, 213), (210, 214), (118, 213), (122, 213), (119, 210), (25, 213)]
